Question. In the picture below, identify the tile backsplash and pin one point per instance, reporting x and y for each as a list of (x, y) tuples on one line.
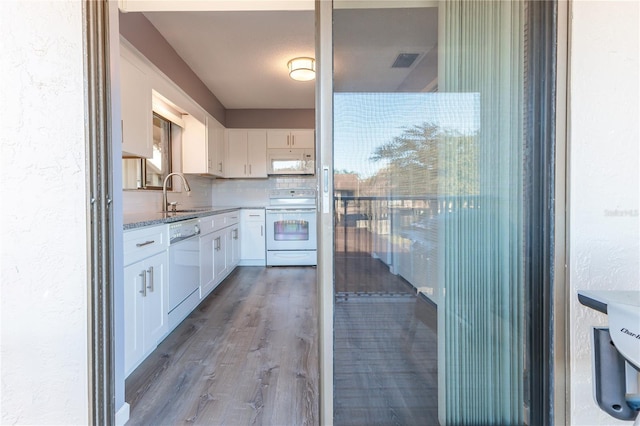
[(215, 192), (254, 192), (141, 201)]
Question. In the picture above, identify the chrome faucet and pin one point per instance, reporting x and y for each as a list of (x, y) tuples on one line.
[(165, 204)]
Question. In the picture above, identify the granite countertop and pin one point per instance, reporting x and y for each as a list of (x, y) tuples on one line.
[(140, 220)]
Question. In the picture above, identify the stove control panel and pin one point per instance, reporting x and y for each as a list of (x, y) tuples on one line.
[(293, 193)]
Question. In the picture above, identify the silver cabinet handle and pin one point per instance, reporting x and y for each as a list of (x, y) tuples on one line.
[(150, 272), (254, 215), (235, 234), (143, 274), (293, 140), (220, 167), (146, 243), (262, 230), (217, 245), (288, 140), (249, 169)]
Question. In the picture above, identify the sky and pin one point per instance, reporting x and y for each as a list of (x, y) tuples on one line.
[(364, 121)]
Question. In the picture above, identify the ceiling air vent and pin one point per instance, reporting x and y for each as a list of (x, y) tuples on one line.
[(405, 60)]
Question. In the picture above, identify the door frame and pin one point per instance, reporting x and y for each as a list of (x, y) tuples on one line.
[(98, 33), (561, 374), (324, 171), (99, 140), (551, 387)]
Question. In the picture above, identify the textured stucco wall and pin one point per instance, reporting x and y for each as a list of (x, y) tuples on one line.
[(603, 173), (43, 261)]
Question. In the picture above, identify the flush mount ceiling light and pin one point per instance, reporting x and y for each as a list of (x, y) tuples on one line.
[(302, 69)]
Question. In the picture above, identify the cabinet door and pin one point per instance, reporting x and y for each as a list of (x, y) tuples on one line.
[(145, 308), (155, 301), (253, 242), (134, 277), (206, 264), (257, 153), (237, 153), (137, 115), (252, 237), (219, 255), (302, 139), (234, 248), (278, 138), (195, 156), (216, 149)]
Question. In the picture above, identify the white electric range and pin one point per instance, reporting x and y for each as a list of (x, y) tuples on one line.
[(291, 227)]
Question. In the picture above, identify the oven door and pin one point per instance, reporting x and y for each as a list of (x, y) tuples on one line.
[(291, 229)]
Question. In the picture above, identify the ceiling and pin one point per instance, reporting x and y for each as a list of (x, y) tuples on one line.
[(241, 56)]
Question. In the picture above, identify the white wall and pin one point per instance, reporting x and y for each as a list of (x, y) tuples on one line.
[(43, 226), (603, 175)]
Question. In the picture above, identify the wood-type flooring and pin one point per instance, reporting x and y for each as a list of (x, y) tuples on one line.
[(246, 356)]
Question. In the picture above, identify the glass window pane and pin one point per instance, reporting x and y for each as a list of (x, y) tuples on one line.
[(428, 195), (159, 166)]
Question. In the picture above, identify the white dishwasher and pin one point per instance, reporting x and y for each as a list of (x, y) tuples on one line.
[(184, 269)]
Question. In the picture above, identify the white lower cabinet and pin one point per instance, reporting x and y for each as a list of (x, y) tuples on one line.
[(233, 247), (145, 310), (252, 237), (146, 318), (206, 264), (219, 256), (219, 249), (146, 278)]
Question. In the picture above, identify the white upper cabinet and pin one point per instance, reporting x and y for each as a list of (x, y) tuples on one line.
[(202, 146), (236, 153), (288, 139), (246, 153), (216, 145), (137, 116), (194, 146)]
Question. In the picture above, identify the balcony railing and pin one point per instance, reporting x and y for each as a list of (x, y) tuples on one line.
[(404, 232)]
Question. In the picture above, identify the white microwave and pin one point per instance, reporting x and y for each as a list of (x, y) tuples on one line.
[(291, 161)]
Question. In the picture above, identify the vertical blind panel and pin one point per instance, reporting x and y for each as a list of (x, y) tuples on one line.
[(481, 259)]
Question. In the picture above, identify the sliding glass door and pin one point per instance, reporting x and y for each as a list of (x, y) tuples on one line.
[(432, 214)]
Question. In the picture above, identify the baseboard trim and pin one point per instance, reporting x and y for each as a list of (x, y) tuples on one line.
[(252, 262), (122, 416)]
